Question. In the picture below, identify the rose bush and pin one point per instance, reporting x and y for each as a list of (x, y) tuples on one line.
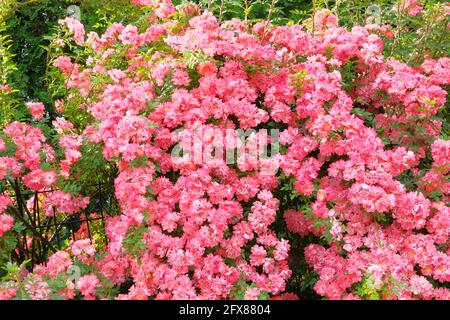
[(360, 159)]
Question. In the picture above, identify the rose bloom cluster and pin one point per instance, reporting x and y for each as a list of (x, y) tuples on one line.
[(200, 229)]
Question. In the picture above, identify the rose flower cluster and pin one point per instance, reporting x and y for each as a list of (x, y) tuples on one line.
[(351, 124)]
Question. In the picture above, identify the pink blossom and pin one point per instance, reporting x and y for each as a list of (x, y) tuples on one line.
[(324, 18), (252, 294), (39, 179), (58, 263), (83, 250), (37, 109), (38, 289), (130, 36), (296, 222), (6, 223), (7, 293), (75, 27), (411, 7), (87, 285)]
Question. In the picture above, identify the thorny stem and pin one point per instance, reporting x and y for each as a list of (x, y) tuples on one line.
[(313, 16), (269, 16), (272, 6), (247, 5), (222, 4)]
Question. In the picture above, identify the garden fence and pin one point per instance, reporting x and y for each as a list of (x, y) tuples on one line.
[(41, 235)]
